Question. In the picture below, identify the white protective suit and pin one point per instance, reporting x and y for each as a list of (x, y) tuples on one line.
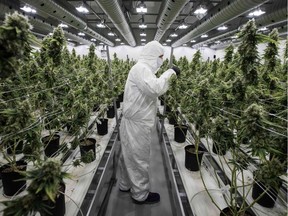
[(139, 115)]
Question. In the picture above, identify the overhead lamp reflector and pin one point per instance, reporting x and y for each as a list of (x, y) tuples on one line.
[(200, 10), (164, 44), (93, 39), (81, 34), (62, 25), (222, 28), (117, 39), (204, 36), (263, 29), (142, 34), (168, 40), (28, 9), (141, 8), (100, 25), (143, 39), (174, 35), (122, 43), (193, 41), (183, 26), (82, 9), (142, 25), (111, 34), (257, 12)]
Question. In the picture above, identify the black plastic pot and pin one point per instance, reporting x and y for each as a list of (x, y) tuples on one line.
[(229, 212), (180, 132), (102, 128), (117, 103), (168, 109), (218, 150), (86, 145), (269, 197), (12, 185), (172, 120), (191, 162), (51, 145), (58, 208), (120, 97), (110, 112)]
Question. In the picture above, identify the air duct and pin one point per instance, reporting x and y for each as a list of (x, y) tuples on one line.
[(116, 15), (40, 25), (234, 9), (170, 12), (60, 13), (277, 16)]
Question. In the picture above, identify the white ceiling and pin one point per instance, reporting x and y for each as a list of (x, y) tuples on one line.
[(155, 8)]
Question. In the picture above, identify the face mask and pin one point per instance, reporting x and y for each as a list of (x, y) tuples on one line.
[(159, 62)]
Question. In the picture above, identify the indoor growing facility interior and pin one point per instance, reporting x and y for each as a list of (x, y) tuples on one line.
[(131, 108)]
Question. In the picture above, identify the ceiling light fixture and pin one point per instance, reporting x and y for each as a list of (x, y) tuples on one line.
[(81, 34), (101, 24), (142, 34), (168, 40), (204, 36), (117, 39), (200, 10), (143, 39), (111, 34), (263, 29), (222, 28), (183, 26), (93, 39), (234, 36), (122, 43), (141, 8), (82, 9), (193, 41), (50, 34), (62, 25), (257, 12), (174, 35), (28, 9), (164, 44), (142, 25)]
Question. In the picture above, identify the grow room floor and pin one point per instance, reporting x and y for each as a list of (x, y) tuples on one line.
[(121, 204)]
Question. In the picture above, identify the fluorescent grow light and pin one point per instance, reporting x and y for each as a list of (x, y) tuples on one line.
[(28, 9), (82, 9)]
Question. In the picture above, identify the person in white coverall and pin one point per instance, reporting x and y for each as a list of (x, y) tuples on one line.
[(142, 89)]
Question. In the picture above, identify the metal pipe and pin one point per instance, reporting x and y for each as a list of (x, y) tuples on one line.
[(236, 8), (53, 9), (171, 10), (116, 15)]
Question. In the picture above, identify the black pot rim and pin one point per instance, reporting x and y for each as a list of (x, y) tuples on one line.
[(90, 139), (202, 150)]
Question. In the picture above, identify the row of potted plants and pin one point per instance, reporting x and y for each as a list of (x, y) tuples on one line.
[(42, 93), (240, 104)]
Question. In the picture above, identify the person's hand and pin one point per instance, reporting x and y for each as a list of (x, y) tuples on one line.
[(176, 69)]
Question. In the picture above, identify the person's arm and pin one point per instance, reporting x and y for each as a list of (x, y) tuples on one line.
[(152, 86)]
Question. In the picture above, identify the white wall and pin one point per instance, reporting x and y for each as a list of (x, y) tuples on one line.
[(134, 52)]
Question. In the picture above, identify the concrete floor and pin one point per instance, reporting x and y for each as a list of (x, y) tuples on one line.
[(120, 203)]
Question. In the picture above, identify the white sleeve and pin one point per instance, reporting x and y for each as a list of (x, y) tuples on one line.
[(152, 86)]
